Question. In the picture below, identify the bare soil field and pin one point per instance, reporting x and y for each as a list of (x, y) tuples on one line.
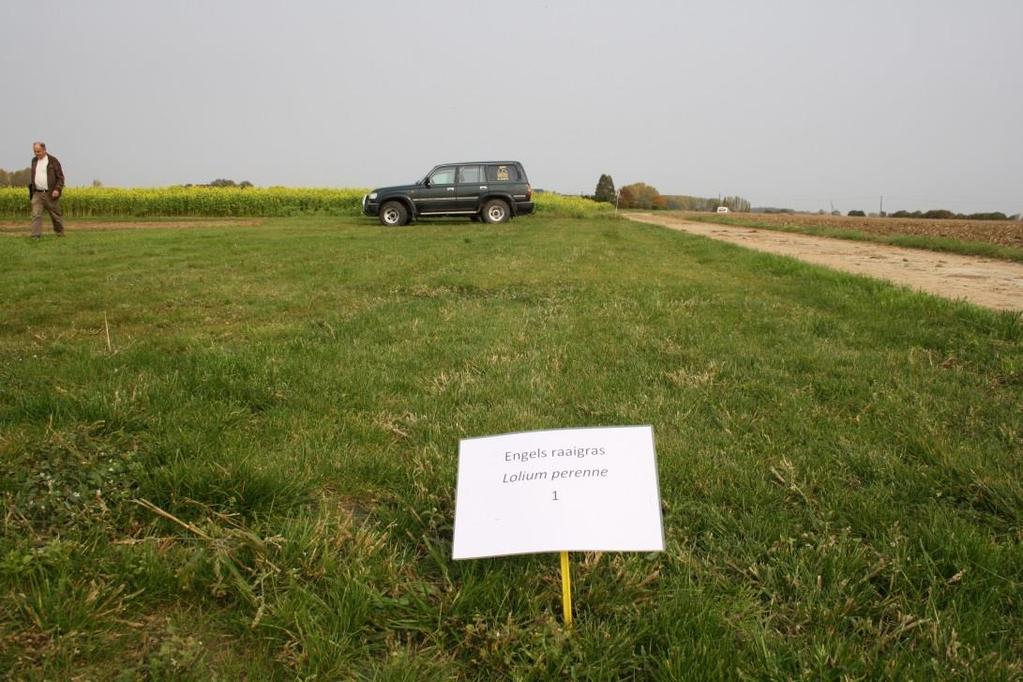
[(1003, 233), (984, 281)]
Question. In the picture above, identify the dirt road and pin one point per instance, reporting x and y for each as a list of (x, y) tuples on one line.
[(984, 281)]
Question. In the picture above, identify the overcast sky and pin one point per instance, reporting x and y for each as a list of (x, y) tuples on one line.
[(787, 103)]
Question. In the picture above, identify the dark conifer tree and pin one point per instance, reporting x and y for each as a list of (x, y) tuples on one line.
[(605, 189)]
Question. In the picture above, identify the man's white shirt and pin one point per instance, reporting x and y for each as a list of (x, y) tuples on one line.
[(41, 166)]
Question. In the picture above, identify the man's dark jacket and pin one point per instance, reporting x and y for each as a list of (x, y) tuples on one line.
[(54, 175)]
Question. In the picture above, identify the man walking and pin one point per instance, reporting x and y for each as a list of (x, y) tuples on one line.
[(45, 188)]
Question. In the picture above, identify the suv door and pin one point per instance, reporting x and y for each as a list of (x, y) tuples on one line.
[(440, 196), (471, 183)]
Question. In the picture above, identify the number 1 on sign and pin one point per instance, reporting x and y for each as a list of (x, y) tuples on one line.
[(555, 496)]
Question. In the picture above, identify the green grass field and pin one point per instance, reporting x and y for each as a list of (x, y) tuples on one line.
[(231, 453)]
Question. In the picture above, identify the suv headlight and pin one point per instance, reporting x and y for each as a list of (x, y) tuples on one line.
[(372, 196)]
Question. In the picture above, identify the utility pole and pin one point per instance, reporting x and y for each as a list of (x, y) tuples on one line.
[(880, 210)]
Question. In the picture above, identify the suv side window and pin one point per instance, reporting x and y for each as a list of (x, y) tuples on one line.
[(470, 175), (502, 173), (443, 176)]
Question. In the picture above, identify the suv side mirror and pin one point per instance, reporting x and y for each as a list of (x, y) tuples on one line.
[(426, 181)]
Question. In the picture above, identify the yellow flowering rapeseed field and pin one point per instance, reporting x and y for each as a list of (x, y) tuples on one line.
[(250, 201)]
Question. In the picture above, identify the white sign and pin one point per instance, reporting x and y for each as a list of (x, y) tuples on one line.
[(572, 490)]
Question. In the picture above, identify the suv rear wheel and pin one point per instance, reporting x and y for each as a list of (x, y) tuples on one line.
[(393, 214), (496, 211)]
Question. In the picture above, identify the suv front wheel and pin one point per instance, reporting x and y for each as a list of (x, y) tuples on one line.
[(393, 214), (496, 211)]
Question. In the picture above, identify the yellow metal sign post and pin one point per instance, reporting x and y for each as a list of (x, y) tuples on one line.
[(566, 589)]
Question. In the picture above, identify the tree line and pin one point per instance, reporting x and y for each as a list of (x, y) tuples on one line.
[(942, 214), (939, 214), (224, 182), (644, 196), (19, 178)]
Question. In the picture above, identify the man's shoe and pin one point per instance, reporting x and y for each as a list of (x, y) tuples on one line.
[(36, 236)]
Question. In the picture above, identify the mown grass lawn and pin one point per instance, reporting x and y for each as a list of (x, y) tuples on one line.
[(232, 452)]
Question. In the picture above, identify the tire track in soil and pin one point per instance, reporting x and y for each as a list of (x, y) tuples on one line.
[(983, 281)]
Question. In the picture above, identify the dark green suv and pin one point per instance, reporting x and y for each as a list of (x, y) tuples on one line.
[(491, 191)]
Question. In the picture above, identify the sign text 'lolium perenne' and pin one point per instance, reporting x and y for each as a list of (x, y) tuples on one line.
[(588, 489)]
